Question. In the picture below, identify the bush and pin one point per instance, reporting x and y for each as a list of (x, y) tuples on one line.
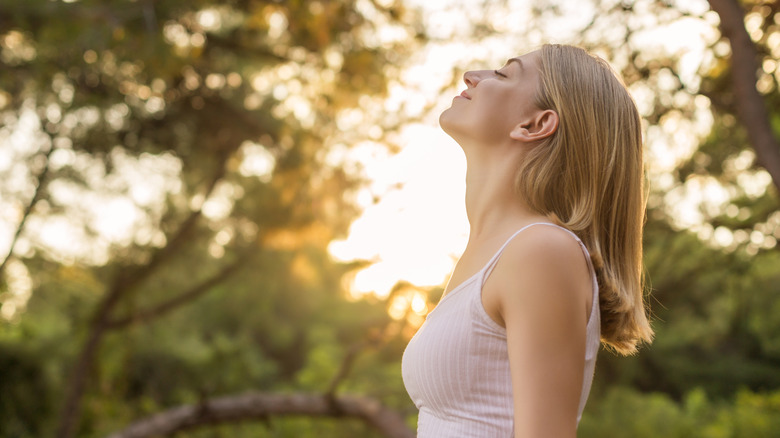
[(624, 412)]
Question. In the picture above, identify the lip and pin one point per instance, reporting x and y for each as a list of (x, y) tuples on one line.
[(465, 95)]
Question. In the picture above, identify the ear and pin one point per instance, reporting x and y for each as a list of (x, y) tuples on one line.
[(541, 126)]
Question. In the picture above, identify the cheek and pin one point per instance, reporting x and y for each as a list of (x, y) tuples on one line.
[(490, 117), (497, 114)]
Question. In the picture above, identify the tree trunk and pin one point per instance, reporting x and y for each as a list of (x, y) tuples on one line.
[(750, 103)]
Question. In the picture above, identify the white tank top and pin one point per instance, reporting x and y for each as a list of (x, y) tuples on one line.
[(456, 367)]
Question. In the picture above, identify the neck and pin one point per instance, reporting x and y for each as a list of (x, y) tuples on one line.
[(492, 205)]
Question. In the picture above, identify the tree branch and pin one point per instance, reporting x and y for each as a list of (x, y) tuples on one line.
[(29, 208), (179, 238), (178, 300), (750, 103), (344, 368), (259, 406)]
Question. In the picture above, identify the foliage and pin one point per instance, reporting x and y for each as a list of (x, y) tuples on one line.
[(712, 324), (623, 412), (212, 125)]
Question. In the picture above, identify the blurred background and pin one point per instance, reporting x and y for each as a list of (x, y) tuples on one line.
[(227, 218)]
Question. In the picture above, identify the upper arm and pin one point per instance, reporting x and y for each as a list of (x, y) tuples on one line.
[(542, 290)]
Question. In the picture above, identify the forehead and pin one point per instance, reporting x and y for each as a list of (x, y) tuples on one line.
[(524, 61)]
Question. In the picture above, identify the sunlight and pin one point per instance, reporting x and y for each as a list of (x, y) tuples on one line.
[(418, 305), (416, 233), (256, 161), (413, 224), (19, 290)]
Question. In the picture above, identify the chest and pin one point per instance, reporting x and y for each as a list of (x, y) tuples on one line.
[(457, 354)]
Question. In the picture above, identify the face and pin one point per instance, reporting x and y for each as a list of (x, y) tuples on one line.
[(494, 102)]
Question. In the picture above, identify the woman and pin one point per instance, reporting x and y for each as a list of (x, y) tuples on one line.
[(555, 204)]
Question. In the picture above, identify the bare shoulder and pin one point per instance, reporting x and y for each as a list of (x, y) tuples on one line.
[(542, 266), (543, 249)]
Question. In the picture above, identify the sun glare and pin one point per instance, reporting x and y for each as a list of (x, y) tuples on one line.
[(413, 234), (416, 233), (418, 227)]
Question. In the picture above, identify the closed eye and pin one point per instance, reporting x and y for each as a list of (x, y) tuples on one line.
[(498, 73)]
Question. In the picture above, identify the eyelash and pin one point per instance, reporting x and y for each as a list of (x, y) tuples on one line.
[(498, 73)]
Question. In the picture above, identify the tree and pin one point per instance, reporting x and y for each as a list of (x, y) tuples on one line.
[(750, 105), (231, 108)]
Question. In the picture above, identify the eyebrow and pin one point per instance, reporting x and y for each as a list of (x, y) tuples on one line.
[(517, 60)]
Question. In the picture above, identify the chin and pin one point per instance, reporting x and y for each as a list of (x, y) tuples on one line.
[(455, 128), (447, 124)]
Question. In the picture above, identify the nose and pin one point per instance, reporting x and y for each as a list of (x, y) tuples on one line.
[(472, 78)]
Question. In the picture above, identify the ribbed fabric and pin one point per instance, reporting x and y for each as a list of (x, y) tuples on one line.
[(456, 367)]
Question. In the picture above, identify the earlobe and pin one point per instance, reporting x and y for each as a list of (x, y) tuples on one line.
[(543, 125)]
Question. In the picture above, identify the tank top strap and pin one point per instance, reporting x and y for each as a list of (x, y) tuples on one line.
[(492, 263)]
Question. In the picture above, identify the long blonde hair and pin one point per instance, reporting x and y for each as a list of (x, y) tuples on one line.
[(588, 177)]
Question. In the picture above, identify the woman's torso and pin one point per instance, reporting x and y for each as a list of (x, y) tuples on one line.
[(456, 367)]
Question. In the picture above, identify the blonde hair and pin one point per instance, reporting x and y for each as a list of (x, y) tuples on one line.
[(588, 176)]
